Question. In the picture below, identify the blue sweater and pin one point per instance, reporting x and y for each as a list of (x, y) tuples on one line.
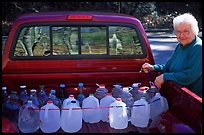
[(185, 66)]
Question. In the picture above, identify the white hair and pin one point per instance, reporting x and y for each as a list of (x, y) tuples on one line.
[(186, 18)]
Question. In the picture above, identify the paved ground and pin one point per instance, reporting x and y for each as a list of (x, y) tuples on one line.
[(162, 45)]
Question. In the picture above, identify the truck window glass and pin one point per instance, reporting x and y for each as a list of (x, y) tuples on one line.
[(33, 41), (124, 41), (78, 40), (93, 40)]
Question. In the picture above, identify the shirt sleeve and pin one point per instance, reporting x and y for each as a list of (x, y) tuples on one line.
[(192, 70)]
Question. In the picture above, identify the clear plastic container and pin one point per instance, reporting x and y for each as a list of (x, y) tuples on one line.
[(50, 118), (71, 117), (42, 96), (104, 106), (134, 91), (118, 118), (53, 97), (29, 118), (140, 114), (23, 96), (68, 100), (158, 105), (116, 90), (81, 95), (101, 91), (91, 110), (33, 97)]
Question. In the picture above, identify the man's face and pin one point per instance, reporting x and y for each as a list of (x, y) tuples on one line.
[(184, 33)]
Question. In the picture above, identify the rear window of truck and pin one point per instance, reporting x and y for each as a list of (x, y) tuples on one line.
[(75, 41)]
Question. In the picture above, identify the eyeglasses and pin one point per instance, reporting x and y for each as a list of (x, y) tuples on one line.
[(185, 32)]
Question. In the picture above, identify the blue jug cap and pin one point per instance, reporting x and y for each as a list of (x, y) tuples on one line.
[(62, 85), (52, 91), (80, 84)]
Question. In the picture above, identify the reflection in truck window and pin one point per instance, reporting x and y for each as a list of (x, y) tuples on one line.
[(93, 40), (124, 41), (78, 40), (33, 41)]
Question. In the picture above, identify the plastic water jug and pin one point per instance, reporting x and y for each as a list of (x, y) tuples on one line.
[(71, 117), (101, 91), (33, 97), (68, 100), (116, 90), (142, 92), (158, 105), (104, 106), (23, 96), (91, 110), (118, 118), (127, 98), (53, 97), (140, 113), (62, 93), (12, 107), (152, 90), (49, 117), (42, 96), (29, 118), (81, 95), (134, 91)]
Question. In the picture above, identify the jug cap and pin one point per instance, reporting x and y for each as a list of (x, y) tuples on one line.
[(49, 101), (80, 84), (109, 94), (118, 99), (144, 88), (4, 88), (136, 84), (62, 85), (52, 91), (71, 96), (23, 86)]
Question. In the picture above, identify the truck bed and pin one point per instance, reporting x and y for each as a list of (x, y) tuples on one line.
[(185, 108)]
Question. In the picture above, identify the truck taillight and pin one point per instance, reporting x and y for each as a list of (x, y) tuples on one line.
[(80, 17)]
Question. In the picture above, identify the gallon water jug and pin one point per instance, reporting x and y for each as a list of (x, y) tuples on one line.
[(91, 110), (12, 107), (152, 90), (140, 113), (134, 91), (53, 97), (71, 117), (62, 92), (29, 118), (49, 117), (142, 92), (127, 98), (80, 96), (42, 96), (118, 118), (23, 96), (116, 90), (101, 91), (158, 105), (68, 100), (104, 106), (33, 97)]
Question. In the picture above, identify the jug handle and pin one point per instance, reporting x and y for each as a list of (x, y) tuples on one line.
[(130, 88)]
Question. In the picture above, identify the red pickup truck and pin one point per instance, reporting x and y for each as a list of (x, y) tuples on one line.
[(91, 47)]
